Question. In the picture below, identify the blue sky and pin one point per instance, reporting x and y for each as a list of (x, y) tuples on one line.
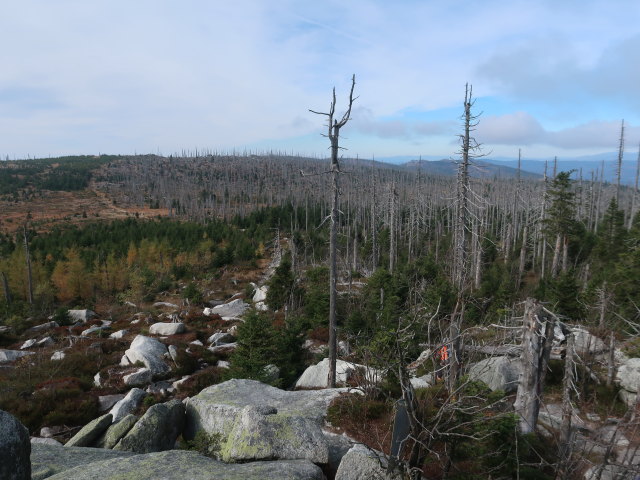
[(113, 76)]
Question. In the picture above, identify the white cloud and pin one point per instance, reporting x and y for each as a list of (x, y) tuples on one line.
[(522, 129), (121, 76)]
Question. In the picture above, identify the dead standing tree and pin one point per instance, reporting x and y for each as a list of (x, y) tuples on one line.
[(536, 349), (333, 134), (462, 228)]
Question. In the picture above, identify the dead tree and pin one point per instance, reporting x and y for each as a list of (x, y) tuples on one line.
[(28, 261), (462, 228), (536, 348), (619, 164), (566, 433), (634, 194), (333, 134), (5, 287)]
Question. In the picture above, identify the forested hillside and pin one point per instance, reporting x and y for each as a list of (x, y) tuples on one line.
[(423, 262)]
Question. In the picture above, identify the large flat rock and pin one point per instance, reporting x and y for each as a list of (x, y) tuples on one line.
[(265, 435), (215, 408), (48, 460), (181, 464)]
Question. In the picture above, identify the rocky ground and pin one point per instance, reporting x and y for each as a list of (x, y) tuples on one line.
[(156, 374)]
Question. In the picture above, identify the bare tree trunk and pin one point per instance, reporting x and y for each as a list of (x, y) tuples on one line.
[(602, 304), (619, 165), (454, 348), (565, 253), (566, 433), (334, 127), (477, 277), (556, 256), (5, 286), (611, 364), (523, 257), (461, 227), (634, 194), (536, 347), (392, 230), (28, 260), (333, 274)]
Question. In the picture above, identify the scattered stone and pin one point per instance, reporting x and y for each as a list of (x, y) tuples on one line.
[(5, 329), (81, 315), (585, 343), (15, 449), (195, 342), (606, 435), (221, 338), (45, 441), (142, 376), (227, 348), (58, 355), (223, 364), (97, 380), (339, 445), (90, 432), (161, 387), (608, 472), (317, 376), (261, 306), (166, 329), (91, 330), (165, 305), (264, 436), (424, 381), (272, 373), (361, 462), (628, 456), (116, 432), (229, 311), (177, 383), (629, 398), (314, 347), (260, 294), (593, 417), (628, 377), (105, 402), (128, 404), (175, 464), (499, 373), (28, 344), (50, 432), (45, 342), (130, 304), (173, 353), (41, 328), (344, 348), (157, 430), (150, 352), (119, 334), (8, 356), (550, 417)]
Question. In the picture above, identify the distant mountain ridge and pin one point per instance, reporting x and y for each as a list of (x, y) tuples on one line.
[(505, 167), (479, 169)]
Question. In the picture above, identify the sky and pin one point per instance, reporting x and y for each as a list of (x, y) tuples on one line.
[(552, 78)]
